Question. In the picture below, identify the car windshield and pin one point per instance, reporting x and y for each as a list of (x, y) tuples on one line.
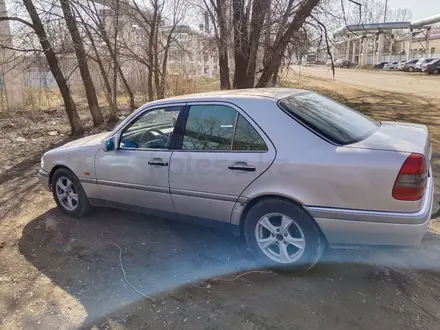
[(329, 119)]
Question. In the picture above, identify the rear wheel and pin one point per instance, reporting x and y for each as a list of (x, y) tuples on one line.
[(283, 236), (436, 71), (410, 69), (69, 194)]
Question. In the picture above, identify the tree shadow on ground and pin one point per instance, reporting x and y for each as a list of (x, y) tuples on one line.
[(182, 267)]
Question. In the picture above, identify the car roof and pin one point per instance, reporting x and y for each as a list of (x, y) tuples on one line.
[(249, 93)]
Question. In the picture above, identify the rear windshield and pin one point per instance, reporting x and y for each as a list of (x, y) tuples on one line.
[(332, 120)]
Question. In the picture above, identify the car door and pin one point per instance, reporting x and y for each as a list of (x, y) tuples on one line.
[(221, 151), (136, 171)]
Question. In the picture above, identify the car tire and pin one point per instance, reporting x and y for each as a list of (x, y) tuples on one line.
[(302, 230), (436, 71), (410, 69), (68, 193)]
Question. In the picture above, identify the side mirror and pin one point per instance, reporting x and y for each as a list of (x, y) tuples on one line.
[(108, 144)]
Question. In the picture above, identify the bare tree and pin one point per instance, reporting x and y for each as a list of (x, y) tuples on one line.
[(217, 12), (158, 24), (101, 31), (104, 76), (52, 60), (303, 11), (115, 53), (82, 63)]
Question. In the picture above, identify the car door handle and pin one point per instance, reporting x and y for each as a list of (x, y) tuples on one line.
[(242, 166), (158, 162)]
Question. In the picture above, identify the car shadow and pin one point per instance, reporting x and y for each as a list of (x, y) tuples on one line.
[(82, 255), (88, 258)]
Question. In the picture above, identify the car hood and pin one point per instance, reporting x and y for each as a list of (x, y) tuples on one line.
[(402, 137), (92, 140)]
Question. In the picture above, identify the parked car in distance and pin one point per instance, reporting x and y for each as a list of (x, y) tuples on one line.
[(345, 64), (338, 62), (428, 61), (433, 67), (391, 66), (401, 65), (421, 63), (410, 65), (233, 158), (380, 65)]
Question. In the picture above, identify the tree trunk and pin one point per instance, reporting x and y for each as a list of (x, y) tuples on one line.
[(241, 44), (280, 45), (127, 86), (72, 113), (223, 58), (152, 32), (275, 75), (104, 75), (256, 27), (267, 37), (223, 63), (115, 56), (107, 42), (82, 63), (159, 93)]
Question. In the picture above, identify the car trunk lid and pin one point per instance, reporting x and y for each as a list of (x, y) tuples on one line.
[(400, 137)]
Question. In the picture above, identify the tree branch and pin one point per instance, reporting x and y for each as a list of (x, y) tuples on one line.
[(17, 19)]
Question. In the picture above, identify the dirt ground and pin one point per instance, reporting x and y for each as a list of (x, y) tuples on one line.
[(415, 84), (120, 270)]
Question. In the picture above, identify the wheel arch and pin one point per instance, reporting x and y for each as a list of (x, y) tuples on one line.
[(260, 198), (55, 168)]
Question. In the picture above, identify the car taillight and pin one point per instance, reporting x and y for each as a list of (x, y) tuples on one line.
[(410, 183)]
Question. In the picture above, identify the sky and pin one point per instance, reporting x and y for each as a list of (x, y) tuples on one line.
[(420, 8)]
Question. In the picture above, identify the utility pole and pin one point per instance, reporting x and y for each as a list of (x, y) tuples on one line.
[(385, 13)]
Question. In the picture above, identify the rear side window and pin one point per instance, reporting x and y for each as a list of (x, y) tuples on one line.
[(220, 128), (209, 127), (332, 120), (246, 137)]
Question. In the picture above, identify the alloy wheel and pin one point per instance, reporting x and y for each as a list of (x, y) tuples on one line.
[(66, 193), (280, 238)]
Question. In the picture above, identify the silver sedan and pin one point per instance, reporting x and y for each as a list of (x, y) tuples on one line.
[(291, 170)]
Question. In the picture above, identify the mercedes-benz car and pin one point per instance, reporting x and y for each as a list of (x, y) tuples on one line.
[(291, 170)]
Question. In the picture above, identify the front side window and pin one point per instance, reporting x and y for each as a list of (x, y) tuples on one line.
[(332, 120), (151, 130), (219, 128)]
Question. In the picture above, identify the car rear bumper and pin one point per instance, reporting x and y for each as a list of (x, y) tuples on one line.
[(361, 227), (43, 177)]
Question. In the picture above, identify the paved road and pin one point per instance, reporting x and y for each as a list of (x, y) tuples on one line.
[(394, 81)]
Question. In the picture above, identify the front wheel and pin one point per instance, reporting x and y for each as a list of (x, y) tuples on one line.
[(283, 236), (410, 69), (69, 194), (436, 71)]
